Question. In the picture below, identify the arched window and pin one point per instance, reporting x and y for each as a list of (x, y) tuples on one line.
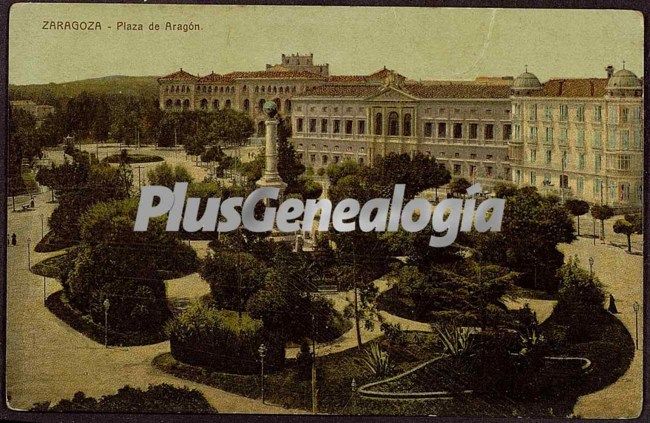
[(178, 87), (281, 90), (378, 124), (246, 105), (210, 89), (220, 89), (186, 104), (277, 103), (215, 104), (287, 106), (257, 89), (260, 104), (406, 129), (268, 89), (393, 123), (286, 89), (204, 104), (243, 88), (168, 103), (227, 105), (178, 103), (275, 89), (260, 128), (263, 89)]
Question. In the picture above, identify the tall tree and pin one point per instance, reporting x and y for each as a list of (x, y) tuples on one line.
[(577, 208)]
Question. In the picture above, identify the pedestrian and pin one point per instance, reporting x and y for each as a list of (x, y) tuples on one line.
[(612, 305), (14, 239), (31, 203)]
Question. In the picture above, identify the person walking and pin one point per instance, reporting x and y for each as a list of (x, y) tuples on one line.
[(612, 305), (14, 239)]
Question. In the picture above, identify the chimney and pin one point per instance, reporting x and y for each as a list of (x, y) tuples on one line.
[(610, 71)]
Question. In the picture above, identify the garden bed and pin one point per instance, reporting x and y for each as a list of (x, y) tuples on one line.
[(61, 308), (51, 242), (51, 267), (134, 158)]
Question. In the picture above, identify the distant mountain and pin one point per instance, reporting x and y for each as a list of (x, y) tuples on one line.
[(116, 84)]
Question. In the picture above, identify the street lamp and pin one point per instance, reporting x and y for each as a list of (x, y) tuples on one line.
[(29, 254), (591, 266), (262, 351), (44, 296), (106, 305), (636, 308), (42, 226)]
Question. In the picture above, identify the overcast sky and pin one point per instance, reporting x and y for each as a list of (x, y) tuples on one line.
[(421, 43)]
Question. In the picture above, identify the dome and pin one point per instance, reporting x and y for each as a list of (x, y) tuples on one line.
[(526, 81), (622, 80)]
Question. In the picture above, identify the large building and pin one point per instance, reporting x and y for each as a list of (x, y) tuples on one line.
[(579, 138)]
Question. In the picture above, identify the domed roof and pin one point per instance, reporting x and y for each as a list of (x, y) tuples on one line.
[(623, 79), (526, 81)]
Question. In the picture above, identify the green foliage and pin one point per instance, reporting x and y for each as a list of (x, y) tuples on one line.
[(504, 189), (602, 212), (457, 341), (458, 187), (133, 158), (337, 171), (532, 227), (21, 144), (622, 226), (580, 292), (378, 361), (577, 208), (166, 175), (636, 219), (233, 277), (222, 341), (162, 398)]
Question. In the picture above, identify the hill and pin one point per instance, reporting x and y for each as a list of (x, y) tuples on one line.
[(108, 85)]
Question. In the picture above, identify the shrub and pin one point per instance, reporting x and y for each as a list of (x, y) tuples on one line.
[(579, 291), (162, 398), (636, 219), (222, 341), (456, 340), (132, 158), (377, 361)]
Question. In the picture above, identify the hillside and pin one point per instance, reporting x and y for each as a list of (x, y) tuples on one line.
[(118, 84)]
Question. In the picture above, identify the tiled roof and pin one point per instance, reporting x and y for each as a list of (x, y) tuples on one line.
[(347, 78), (381, 74), (213, 78), (458, 91), (585, 87), (180, 75), (273, 75)]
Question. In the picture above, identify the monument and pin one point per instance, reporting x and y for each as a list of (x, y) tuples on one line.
[(271, 177)]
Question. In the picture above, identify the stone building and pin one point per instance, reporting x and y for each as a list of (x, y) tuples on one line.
[(39, 111), (578, 138)]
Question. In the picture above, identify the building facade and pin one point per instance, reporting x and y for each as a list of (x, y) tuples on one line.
[(576, 138)]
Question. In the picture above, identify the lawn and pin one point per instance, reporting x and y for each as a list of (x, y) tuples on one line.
[(50, 267)]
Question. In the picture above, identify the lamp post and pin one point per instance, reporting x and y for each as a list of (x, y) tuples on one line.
[(353, 386), (42, 226), (591, 267), (594, 220), (44, 295), (636, 308), (29, 254), (262, 351), (106, 304)]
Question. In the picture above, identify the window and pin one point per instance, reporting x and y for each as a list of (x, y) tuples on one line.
[(638, 139), (507, 132), (312, 125), (323, 125), (348, 126), (533, 134), (517, 132), (625, 140), (548, 112), (472, 156), (489, 131), (489, 157), (406, 130), (598, 113), (624, 162), (533, 111), (624, 114), (564, 181), (581, 161), (378, 124), (598, 183), (337, 126), (260, 104), (489, 171), (580, 185), (564, 112), (361, 127), (246, 105), (637, 114), (442, 130), (533, 178), (473, 131), (457, 169), (548, 139), (580, 113), (299, 123), (598, 139), (580, 139), (458, 130), (611, 139), (533, 156), (564, 135), (613, 114), (456, 155), (393, 124), (312, 158), (472, 169), (597, 162), (325, 159), (565, 159), (428, 129), (549, 156)]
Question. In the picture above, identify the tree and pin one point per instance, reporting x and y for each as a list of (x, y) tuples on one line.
[(166, 175), (577, 208), (233, 277), (579, 290), (622, 226), (458, 186), (602, 212), (229, 127)]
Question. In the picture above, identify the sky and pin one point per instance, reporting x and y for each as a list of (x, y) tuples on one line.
[(420, 43)]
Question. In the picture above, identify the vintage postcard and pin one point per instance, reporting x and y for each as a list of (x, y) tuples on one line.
[(324, 210)]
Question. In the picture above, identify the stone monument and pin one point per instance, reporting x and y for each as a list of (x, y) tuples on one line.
[(271, 177)]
